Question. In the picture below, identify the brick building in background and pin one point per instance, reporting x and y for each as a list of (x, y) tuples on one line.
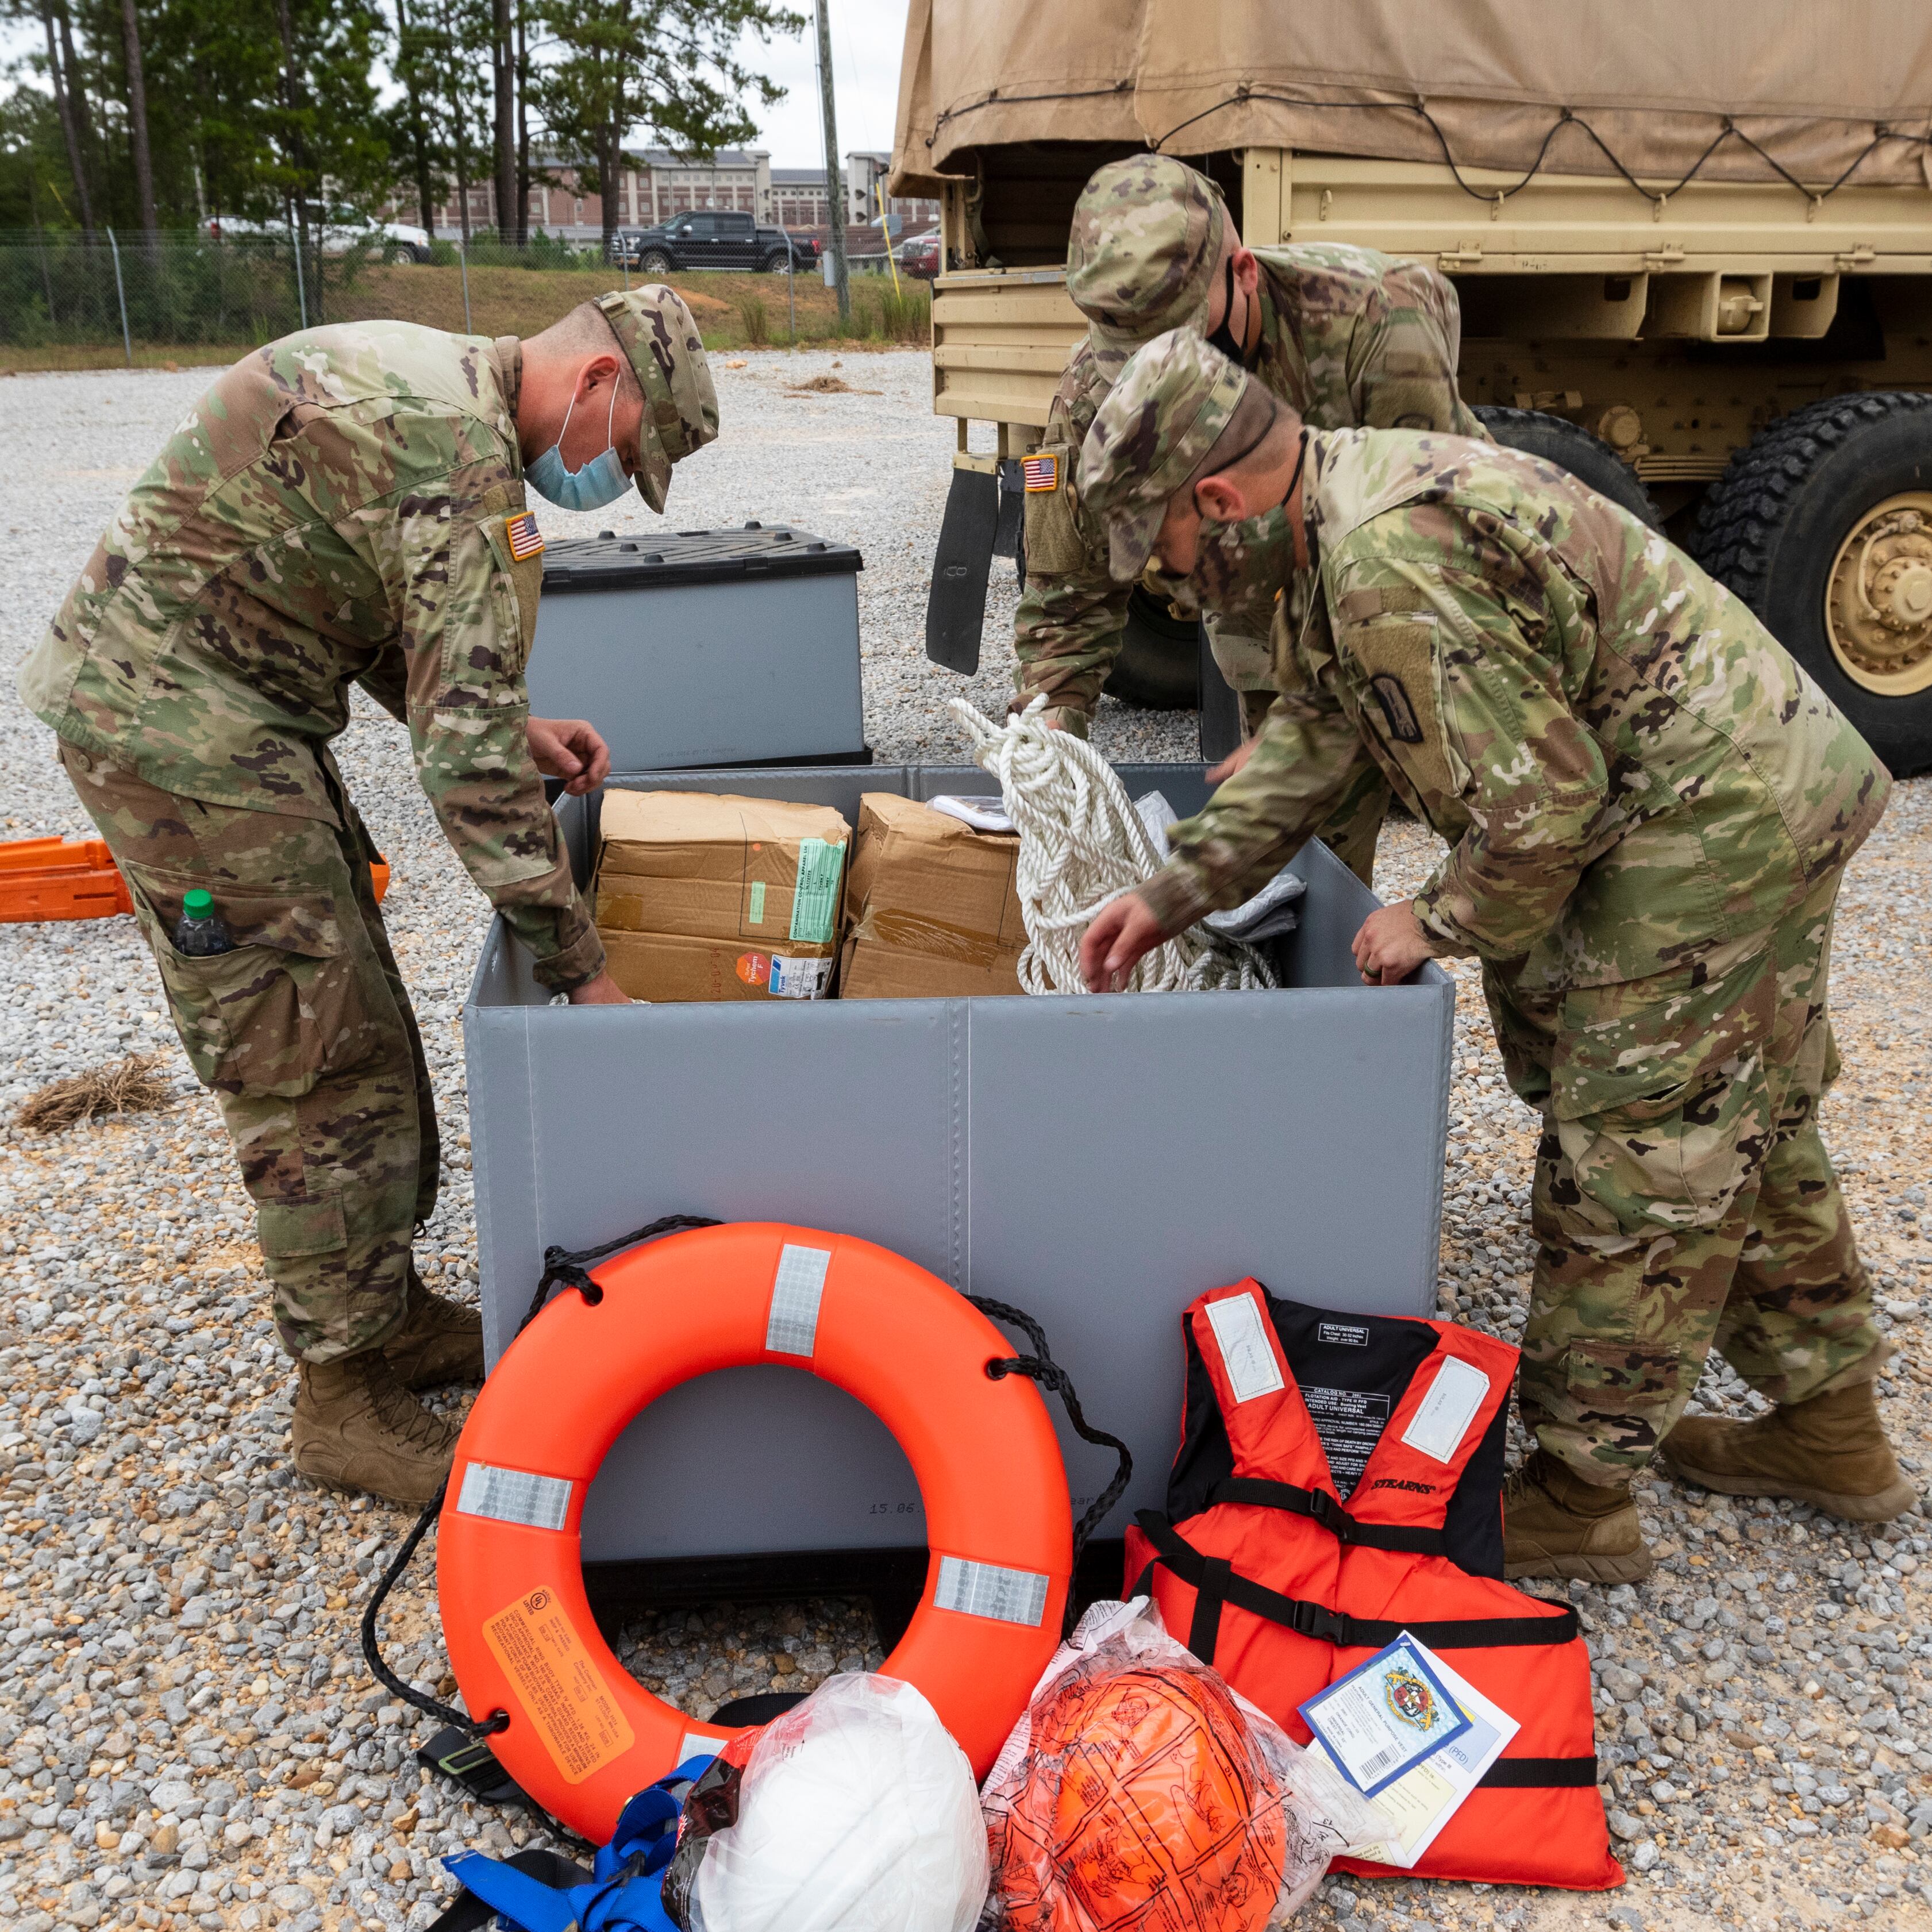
[(658, 184)]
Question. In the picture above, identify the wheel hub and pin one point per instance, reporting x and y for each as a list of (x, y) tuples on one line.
[(1879, 606)]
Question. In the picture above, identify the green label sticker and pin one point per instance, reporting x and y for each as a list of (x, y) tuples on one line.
[(815, 904), (756, 914)]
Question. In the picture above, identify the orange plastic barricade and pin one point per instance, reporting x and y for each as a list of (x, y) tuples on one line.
[(76, 878), (60, 878)]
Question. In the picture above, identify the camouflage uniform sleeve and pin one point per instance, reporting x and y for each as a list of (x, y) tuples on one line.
[(466, 638), (1490, 732), (1404, 354), (1308, 771), (1067, 631)]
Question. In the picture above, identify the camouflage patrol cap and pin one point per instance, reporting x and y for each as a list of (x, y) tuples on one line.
[(1147, 235), (1176, 395), (658, 334)]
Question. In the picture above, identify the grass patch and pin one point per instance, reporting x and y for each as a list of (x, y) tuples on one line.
[(754, 321), (732, 311)]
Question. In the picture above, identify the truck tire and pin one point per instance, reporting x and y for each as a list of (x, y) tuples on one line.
[(1159, 668), (1568, 445), (656, 262), (773, 264), (1822, 524)]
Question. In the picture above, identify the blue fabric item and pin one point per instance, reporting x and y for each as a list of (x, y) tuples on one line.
[(601, 481), (623, 1895)]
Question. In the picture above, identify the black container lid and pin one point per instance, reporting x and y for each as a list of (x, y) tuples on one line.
[(608, 562)]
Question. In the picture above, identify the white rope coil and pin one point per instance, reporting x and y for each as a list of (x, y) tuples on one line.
[(1081, 844)]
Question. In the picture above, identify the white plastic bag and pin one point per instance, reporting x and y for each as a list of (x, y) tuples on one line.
[(856, 1813), (1135, 1769)]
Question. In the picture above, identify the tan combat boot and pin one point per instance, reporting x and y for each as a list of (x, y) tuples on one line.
[(1829, 1451), (1554, 1524), (436, 1342), (356, 1427)]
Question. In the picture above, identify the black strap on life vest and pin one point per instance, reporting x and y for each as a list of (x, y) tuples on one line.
[(1535, 1774), (1227, 1585), (1319, 1506)]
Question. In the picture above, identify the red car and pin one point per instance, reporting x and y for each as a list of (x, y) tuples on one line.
[(919, 256)]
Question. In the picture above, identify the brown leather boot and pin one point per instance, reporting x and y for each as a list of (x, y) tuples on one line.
[(436, 1342), (1829, 1451), (1554, 1524), (356, 1427)]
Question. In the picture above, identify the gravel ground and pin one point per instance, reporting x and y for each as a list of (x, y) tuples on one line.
[(188, 1736)]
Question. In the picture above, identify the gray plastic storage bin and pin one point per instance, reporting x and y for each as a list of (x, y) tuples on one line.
[(703, 647), (1099, 1161)]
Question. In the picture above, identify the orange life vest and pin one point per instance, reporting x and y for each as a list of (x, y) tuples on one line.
[(1340, 1481)]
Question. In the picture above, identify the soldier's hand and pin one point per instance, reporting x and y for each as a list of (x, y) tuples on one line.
[(1220, 774), (601, 991), (1391, 945), (1122, 931), (571, 749)]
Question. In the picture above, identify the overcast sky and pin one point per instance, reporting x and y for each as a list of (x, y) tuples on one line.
[(867, 36)]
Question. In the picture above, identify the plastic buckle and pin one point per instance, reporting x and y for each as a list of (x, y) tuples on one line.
[(1317, 1620), (473, 1765), (1329, 1514)]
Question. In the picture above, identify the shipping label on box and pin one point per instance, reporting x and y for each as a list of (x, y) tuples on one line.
[(704, 866), (931, 905), (669, 967)]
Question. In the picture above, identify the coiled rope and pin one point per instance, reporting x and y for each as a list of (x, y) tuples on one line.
[(1081, 844)]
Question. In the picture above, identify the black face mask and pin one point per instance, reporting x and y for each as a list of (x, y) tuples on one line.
[(1222, 337)]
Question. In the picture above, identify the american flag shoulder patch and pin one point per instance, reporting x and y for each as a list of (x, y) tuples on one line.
[(1042, 472), (523, 537)]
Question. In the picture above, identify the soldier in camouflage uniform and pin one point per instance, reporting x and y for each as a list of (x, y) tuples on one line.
[(1343, 335), (1648, 807), (346, 507)]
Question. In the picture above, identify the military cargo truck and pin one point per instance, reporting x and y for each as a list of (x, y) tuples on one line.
[(1692, 247)]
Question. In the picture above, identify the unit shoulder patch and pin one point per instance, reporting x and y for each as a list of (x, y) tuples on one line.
[(1392, 696), (1394, 657)]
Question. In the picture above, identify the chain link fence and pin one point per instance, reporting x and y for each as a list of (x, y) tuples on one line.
[(58, 289)]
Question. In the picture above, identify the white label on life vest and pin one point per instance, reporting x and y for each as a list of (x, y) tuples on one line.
[(695, 1744), (1437, 1427), (792, 1328), (513, 1495), (988, 1590), (1252, 1369)]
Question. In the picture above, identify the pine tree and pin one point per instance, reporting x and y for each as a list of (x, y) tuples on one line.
[(668, 67)]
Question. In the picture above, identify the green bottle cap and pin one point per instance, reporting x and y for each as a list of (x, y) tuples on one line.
[(198, 905)]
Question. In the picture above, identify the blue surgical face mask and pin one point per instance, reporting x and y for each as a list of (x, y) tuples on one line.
[(601, 481)]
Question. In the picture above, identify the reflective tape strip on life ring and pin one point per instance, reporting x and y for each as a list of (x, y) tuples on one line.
[(583, 1735)]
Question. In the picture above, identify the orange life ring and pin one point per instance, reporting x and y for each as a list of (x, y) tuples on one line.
[(583, 1735)]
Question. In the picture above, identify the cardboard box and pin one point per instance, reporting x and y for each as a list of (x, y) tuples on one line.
[(931, 909), (665, 966), (743, 880)]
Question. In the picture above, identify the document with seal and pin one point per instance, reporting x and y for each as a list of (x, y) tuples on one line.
[(1419, 1802), (1386, 1716)]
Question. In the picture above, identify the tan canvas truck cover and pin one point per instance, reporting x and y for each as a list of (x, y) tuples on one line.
[(1815, 87)]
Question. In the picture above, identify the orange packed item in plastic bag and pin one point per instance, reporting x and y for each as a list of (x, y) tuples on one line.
[(1139, 1794)]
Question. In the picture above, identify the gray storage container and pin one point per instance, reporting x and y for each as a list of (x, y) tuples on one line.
[(704, 647), (1098, 1161)]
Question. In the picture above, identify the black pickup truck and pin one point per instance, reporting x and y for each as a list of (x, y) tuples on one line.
[(707, 240)]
